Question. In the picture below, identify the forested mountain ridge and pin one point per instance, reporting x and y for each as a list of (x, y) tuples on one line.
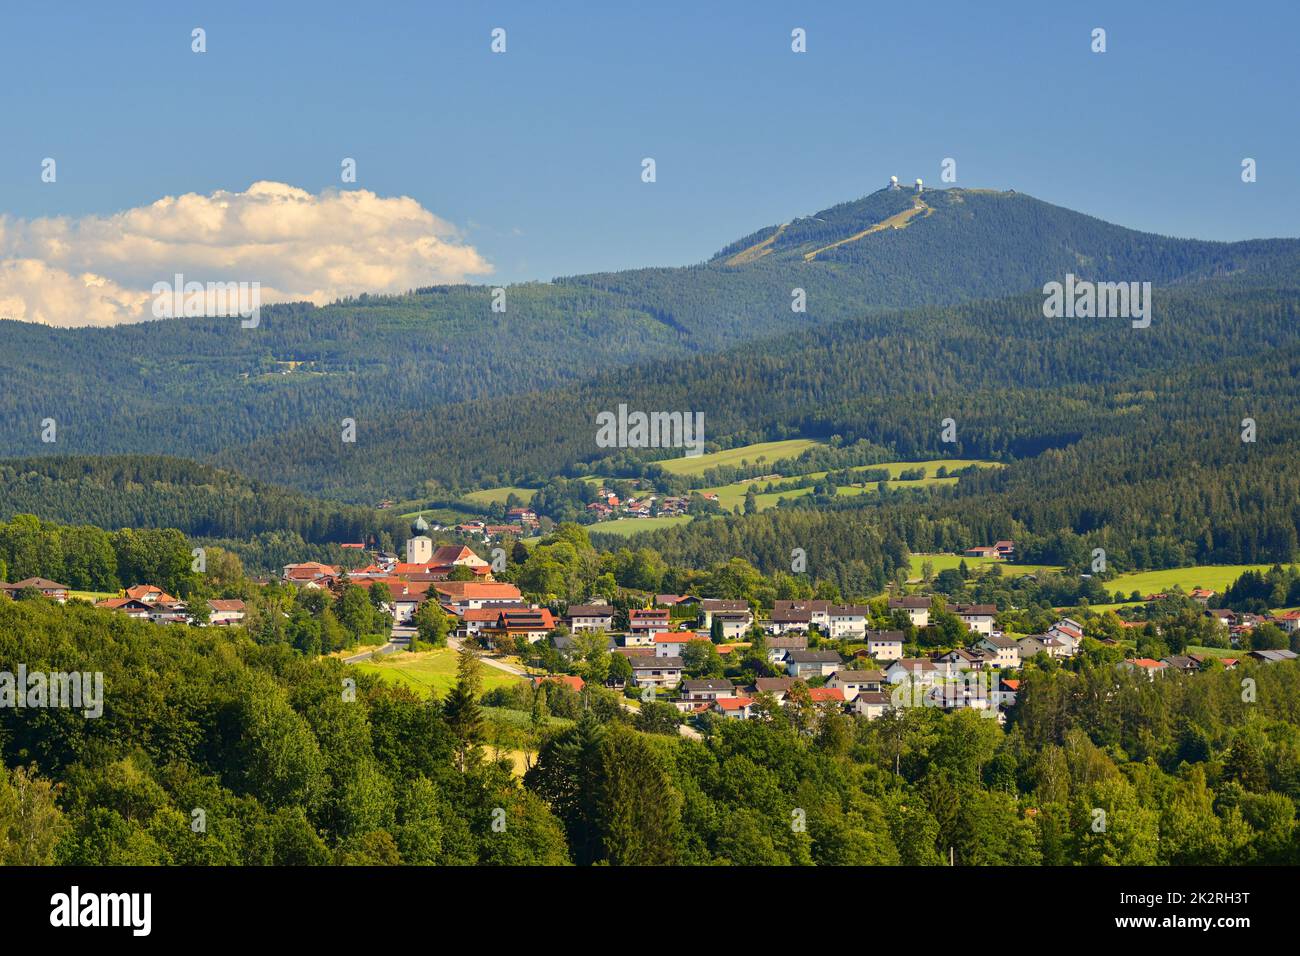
[(199, 387), (140, 491), (889, 378)]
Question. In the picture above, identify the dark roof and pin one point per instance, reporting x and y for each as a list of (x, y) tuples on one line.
[(885, 636), (713, 683), (649, 662), (814, 657), (912, 602)]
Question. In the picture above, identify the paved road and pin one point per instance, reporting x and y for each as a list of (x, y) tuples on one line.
[(399, 640)]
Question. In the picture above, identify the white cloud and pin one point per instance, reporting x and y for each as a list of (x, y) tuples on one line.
[(99, 270)]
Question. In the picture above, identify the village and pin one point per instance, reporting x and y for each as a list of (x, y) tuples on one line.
[(848, 657)]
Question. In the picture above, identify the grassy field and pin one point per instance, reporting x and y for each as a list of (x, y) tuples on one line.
[(429, 671), (498, 496), (630, 526), (729, 496), (945, 562), (92, 596), (1216, 577), (766, 451)]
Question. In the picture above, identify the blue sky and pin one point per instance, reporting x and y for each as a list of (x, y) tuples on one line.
[(535, 154)]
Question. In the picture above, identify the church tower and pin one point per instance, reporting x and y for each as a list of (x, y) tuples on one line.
[(419, 547)]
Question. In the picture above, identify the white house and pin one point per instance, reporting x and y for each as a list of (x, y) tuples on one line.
[(225, 612), (977, 617), (651, 671), (916, 608), (854, 683), (885, 645), (918, 669), (807, 664), (590, 617), (848, 621), (1006, 652)]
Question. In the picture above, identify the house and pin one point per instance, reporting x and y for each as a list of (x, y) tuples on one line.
[(149, 594), (461, 595), (848, 621), (1201, 595), (223, 612), (800, 615), (981, 551), (471, 620), (778, 647), (778, 687), (957, 662), (51, 589), (644, 624), (812, 663), (1272, 657), (710, 689), (871, 704), (711, 606), (977, 617), (1145, 665), (458, 554), (1069, 634), (853, 683), (787, 619), (669, 600), (1183, 663), (827, 695), (1224, 616), (128, 606), (1006, 652), (885, 645), (737, 708), (1031, 647), (572, 681), (735, 616), (1006, 692), (1289, 622), (176, 612), (589, 617), (309, 573), (652, 671), (916, 608), (919, 670), (532, 623), (1006, 550), (673, 643)]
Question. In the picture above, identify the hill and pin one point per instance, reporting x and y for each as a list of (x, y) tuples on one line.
[(209, 390)]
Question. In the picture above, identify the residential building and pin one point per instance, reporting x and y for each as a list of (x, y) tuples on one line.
[(885, 645), (651, 671), (807, 664), (916, 608)]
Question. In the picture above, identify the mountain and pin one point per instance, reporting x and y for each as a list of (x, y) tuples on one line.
[(416, 371)]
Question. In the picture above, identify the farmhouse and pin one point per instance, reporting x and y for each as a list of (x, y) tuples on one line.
[(51, 589)]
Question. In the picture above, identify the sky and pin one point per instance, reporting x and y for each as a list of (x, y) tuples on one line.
[(525, 165)]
